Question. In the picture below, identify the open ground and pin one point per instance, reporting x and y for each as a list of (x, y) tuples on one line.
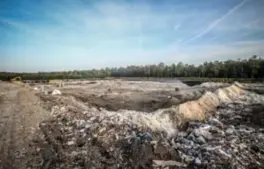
[(131, 124)]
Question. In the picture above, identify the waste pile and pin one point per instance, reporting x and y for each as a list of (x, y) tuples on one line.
[(83, 137)]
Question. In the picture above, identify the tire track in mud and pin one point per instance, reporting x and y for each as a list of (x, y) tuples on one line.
[(7, 131), (11, 147)]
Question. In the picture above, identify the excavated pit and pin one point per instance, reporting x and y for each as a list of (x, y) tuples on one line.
[(210, 126), (143, 96)]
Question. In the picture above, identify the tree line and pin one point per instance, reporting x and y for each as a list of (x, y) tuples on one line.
[(252, 67)]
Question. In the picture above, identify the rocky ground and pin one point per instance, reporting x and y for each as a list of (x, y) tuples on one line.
[(81, 134)]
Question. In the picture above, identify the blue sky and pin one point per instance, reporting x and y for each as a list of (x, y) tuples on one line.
[(45, 35)]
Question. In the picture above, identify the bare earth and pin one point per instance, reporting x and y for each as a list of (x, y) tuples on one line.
[(124, 124), (20, 112)]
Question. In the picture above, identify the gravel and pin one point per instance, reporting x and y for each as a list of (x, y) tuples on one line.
[(78, 143)]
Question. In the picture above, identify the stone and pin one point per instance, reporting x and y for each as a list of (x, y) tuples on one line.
[(161, 163), (203, 131), (200, 140), (229, 131), (215, 122), (187, 158), (70, 143), (226, 155), (56, 92), (242, 146), (146, 136), (197, 161), (182, 134), (191, 137), (246, 130)]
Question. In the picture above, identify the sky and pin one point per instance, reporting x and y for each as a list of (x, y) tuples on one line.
[(61, 35)]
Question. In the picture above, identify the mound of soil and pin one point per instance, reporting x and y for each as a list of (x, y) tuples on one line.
[(228, 139)]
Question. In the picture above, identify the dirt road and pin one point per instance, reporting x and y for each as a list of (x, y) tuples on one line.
[(20, 112)]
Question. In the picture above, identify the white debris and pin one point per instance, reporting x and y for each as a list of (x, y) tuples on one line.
[(212, 84), (197, 161), (229, 131), (215, 122), (56, 92), (161, 163), (202, 143), (70, 143), (238, 84), (224, 153), (203, 131)]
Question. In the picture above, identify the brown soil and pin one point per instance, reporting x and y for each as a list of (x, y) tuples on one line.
[(20, 112), (61, 142)]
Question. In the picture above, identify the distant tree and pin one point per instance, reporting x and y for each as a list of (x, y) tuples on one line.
[(246, 68)]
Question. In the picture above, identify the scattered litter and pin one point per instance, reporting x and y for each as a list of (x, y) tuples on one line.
[(197, 161), (131, 139), (56, 92), (70, 143), (159, 163)]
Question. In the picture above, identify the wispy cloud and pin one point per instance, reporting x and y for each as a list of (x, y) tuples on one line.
[(85, 34), (216, 22)]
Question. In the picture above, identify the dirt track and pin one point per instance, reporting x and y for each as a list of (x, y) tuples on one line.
[(20, 112)]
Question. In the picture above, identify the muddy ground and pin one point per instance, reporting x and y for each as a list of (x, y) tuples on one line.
[(100, 124)]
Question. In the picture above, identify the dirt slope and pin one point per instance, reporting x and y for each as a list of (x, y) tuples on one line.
[(83, 133), (82, 137)]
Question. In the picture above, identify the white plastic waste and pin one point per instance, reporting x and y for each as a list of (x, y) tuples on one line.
[(56, 92)]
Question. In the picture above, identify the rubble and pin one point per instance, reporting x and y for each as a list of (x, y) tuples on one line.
[(56, 92), (213, 84), (159, 163), (231, 137)]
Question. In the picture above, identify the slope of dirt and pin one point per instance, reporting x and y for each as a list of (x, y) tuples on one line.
[(20, 113), (80, 136), (223, 128)]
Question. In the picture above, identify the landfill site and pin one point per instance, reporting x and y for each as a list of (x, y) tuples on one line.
[(121, 124)]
